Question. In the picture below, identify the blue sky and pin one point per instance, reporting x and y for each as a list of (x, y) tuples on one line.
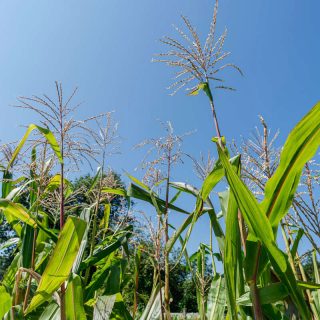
[(105, 48)]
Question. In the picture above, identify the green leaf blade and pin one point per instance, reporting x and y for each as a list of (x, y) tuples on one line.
[(61, 261), (300, 147)]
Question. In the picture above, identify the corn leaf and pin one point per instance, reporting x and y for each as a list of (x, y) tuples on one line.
[(51, 312), (74, 299), (101, 254), (95, 180), (98, 278), (46, 133), (5, 299), (6, 184), (85, 215), (308, 285), (153, 307), (214, 178), (257, 222), (316, 293), (216, 303), (119, 310), (10, 242), (209, 183), (174, 238), (301, 145), (185, 187), (232, 249), (9, 276), (138, 182), (120, 192), (14, 211), (296, 242), (232, 255), (135, 191), (103, 307), (106, 216), (270, 294), (61, 261), (54, 184), (27, 246), (195, 91), (260, 227), (315, 267)]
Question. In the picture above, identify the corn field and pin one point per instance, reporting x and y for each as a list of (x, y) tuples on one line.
[(79, 253)]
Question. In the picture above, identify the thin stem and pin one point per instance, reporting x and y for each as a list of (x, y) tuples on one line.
[(158, 263), (216, 123), (286, 242), (243, 233), (63, 288), (136, 287), (258, 315), (203, 266), (166, 252), (214, 271), (17, 291)]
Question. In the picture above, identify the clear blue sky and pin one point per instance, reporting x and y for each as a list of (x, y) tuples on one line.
[(105, 48)]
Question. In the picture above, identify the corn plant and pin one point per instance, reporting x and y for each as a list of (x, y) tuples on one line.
[(59, 271), (72, 262), (251, 227)]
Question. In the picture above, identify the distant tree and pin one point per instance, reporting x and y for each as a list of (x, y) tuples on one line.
[(82, 184), (6, 255)]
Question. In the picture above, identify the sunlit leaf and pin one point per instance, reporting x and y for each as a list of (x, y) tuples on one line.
[(46, 133), (216, 303), (301, 145), (61, 261), (74, 299), (5, 303)]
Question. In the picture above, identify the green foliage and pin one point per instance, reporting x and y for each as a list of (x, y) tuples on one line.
[(74, 299), (182, 287), (61, 261), (216, 298), (70, 250)]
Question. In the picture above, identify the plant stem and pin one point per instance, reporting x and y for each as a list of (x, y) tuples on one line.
[(214, 271), (136, 285), (214, 114), (202, 294), (158, 257), (166, 252), (63, 288), (256, 301), (290, 257), (243, 234), (16, 296), (135, 295)]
